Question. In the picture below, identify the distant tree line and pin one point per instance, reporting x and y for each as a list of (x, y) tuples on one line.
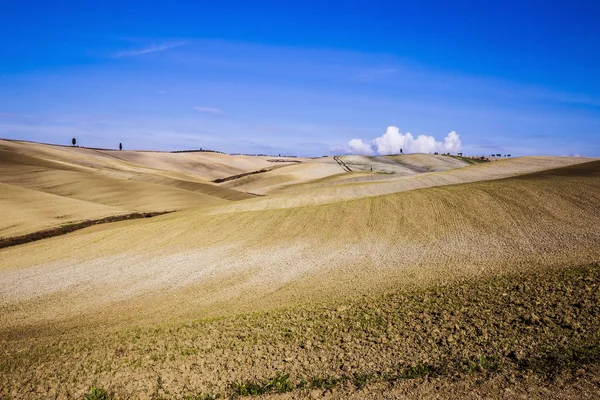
[(74, 143), (197, 151)]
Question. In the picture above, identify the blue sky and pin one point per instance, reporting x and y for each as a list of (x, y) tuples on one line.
[(303, 78)]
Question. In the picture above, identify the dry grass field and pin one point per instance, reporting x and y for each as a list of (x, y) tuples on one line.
[(412, 276)]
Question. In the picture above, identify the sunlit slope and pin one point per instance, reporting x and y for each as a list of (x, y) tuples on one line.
[(358, 187), (403, 165), (67, 181), (283, 177), (375, 169), (204, 165), (25, 210), (193, 171), (194, 263), (325, 172), (198, 187), (198, 166), (427, 162), (41, 192)]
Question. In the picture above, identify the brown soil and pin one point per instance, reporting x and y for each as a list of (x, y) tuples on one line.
[(525, 333)]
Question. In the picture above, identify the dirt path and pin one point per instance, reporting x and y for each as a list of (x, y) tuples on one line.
[(342, 164)]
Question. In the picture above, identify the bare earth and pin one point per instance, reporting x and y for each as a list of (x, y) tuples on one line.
[(413, 276)]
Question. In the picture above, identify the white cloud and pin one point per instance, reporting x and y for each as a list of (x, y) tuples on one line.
[(211, 110), (423, 144), (452, 143), (149, 49), (357, 146), (393, 141)]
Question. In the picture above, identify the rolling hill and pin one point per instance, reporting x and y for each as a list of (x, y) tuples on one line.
[(323, 245)]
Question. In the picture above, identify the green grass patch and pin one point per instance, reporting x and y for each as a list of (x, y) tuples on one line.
[(98, 394), (279, 384), (418, 370), (360, 380), (327, 382)]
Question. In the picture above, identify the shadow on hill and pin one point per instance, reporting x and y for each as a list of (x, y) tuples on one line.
[(62, 230), (588, 169)]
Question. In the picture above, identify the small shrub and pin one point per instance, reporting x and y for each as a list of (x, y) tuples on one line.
[(98, 394)]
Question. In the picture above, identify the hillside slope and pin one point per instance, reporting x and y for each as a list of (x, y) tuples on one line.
[(359, 185), (474, 281), (218, 263), (25, 210), (48, 186), (202, 166)]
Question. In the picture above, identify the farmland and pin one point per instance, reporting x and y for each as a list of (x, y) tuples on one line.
[(411, 275)]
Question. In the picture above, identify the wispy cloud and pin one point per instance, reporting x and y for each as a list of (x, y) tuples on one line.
[(150, 49), (211, 110)]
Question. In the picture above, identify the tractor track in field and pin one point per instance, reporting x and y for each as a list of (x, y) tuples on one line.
[(342, 164)]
